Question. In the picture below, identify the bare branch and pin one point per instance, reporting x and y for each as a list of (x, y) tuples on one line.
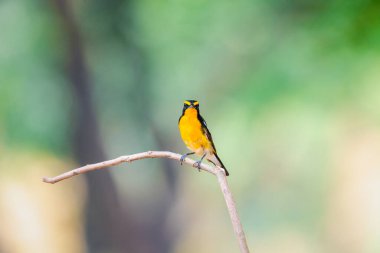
[(219, 172), (123, 159), (231, 206)]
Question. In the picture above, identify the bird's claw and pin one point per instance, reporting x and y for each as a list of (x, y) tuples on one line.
[(198, 165), (182, 159)]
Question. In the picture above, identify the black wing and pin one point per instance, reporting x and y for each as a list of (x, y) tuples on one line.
[(209, 137), (206, 131)]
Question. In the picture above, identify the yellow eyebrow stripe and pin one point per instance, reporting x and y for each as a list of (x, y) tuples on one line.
[(187, 102), (196, 103)]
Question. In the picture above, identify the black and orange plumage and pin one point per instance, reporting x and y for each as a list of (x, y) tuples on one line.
[(196, 136)]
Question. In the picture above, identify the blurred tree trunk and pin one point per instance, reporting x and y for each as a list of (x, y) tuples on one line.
[(117, 16), (108, 228)]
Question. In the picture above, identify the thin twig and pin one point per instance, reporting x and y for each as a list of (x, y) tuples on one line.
[(219, 172)]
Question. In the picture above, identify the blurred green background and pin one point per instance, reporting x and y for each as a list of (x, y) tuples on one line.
[(289, 89)]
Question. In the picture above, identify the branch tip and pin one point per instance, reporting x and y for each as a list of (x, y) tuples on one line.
[(47, 180)]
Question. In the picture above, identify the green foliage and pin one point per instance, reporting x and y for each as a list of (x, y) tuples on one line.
[(278, 82)]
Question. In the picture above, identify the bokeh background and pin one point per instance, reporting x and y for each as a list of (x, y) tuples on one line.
[(289, 89)]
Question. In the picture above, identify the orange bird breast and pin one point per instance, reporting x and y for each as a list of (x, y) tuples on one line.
[(191, 132)]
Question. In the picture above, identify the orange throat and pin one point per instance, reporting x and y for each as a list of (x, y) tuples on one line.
[(191, 132)]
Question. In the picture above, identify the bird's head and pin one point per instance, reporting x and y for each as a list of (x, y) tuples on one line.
[(188, 104)]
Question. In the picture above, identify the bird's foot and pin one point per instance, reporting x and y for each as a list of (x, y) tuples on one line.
[(198, 165), (182, 158)]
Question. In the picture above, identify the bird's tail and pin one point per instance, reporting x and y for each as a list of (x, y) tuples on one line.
[(216, 161)]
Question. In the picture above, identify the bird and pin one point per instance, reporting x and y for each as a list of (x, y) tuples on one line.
[(196, 136)]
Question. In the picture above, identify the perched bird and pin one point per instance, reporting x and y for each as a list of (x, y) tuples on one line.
[(196, 136)]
